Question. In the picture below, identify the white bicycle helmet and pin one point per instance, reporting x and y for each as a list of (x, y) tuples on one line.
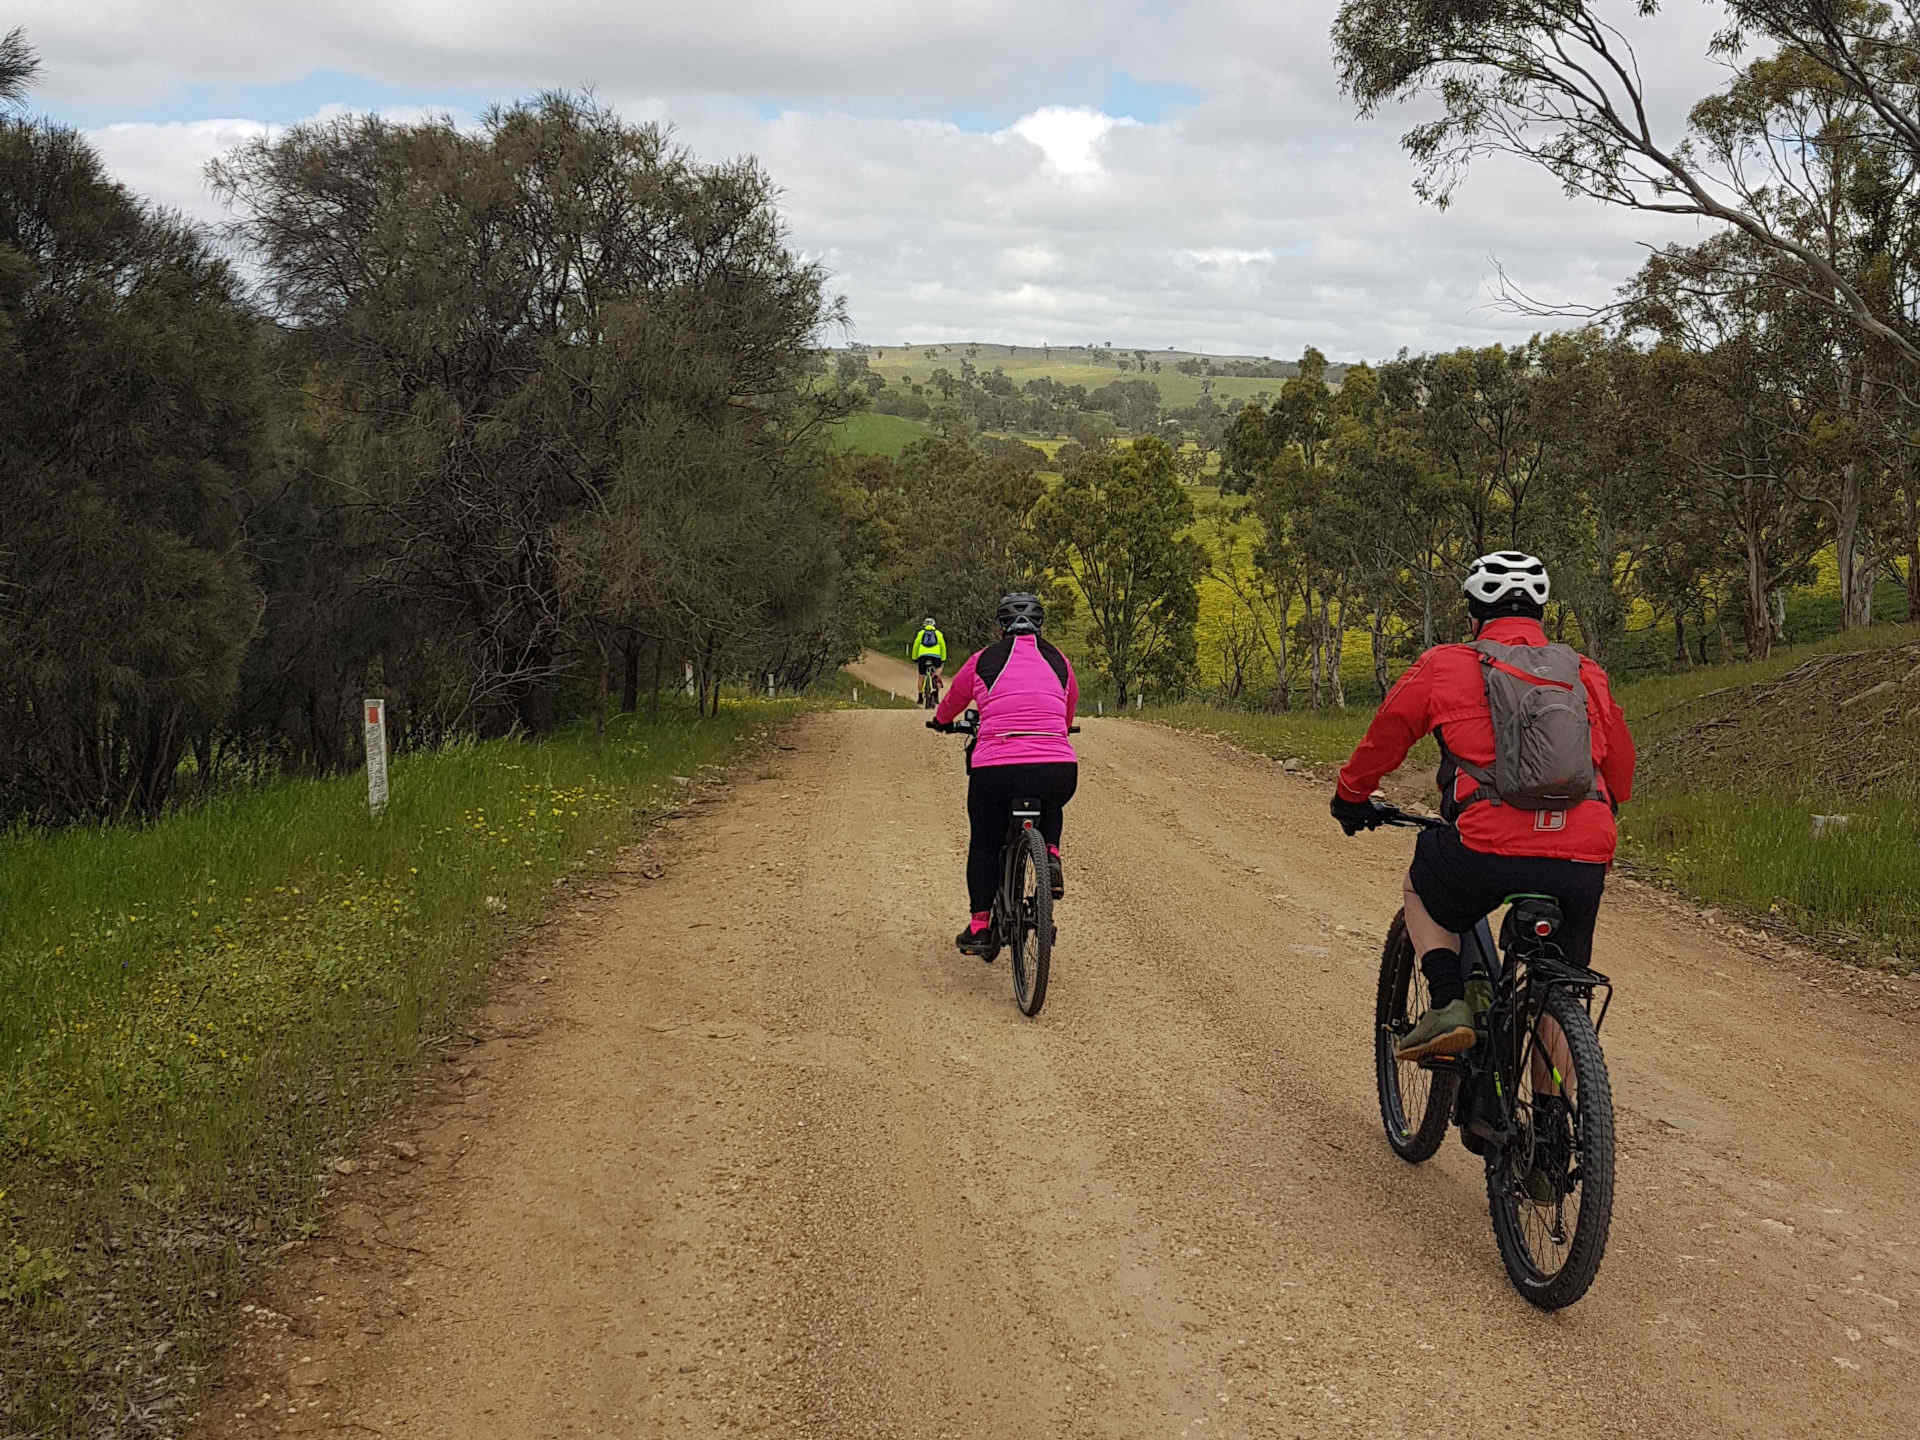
[(1507, 575), (929, 625)]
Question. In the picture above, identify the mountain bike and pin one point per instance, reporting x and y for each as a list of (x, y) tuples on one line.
[(1023, 905), (929, 689), (1531, 1097)]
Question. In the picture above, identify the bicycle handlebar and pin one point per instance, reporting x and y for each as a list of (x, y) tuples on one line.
[(1396, 818), (962, 727)]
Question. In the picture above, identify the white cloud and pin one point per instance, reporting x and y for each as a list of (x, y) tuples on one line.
[(167, 163), (1069, 136), (1259, 218)]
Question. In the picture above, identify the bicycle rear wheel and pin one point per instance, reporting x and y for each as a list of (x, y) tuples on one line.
[(1031, 922), (1550, 1190), (1416, 1101)]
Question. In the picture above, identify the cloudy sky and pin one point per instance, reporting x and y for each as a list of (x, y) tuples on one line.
[(1151, 172)]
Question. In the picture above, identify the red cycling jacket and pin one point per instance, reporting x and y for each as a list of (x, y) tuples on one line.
[(1444, 693)]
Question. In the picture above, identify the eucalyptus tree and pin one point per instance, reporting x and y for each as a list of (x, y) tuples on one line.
[(1557, 83), (1607, 479), (1117, 525), (1806, 152), (1736, 370)]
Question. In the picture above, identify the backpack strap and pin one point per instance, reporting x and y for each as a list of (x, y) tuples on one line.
[(1451, 768)]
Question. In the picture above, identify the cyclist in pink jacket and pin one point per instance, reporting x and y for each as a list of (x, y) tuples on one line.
[(1026, 694)]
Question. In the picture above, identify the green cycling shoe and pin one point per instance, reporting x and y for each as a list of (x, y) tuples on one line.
[(1444, 1030)]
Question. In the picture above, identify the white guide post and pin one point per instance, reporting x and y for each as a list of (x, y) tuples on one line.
[(376, 712), (769, 685), (689, 679)]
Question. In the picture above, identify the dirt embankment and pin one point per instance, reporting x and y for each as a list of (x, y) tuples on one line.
[(1849, 724), (751, 1149)]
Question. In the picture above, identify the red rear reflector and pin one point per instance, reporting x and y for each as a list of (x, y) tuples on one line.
[(1542, 928)]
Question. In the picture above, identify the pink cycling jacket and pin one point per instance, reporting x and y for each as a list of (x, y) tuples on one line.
[(1026, 693)]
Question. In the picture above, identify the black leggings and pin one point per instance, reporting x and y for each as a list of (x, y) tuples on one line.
[(991, 791)]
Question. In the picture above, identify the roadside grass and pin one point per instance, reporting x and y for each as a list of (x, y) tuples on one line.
[(194, 1014), (1854, 891)]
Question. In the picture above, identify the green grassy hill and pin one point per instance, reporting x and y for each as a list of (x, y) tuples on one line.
[(870, 434), (1074, 365)]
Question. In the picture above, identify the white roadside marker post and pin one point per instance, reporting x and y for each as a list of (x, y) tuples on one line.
[(689, 679), (376, 711), (769, 684)]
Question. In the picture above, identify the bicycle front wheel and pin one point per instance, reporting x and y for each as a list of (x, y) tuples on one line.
[(1416, 1101), (1032, 922), (1550, 1189)]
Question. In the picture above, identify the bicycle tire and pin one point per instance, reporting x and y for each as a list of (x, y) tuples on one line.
[(1592, 1155), (1414, 1138), (1032, 939)]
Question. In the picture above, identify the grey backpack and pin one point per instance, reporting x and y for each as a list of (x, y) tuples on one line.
[(1542, 739)]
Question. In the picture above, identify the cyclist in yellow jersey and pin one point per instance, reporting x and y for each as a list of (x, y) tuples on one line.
[(929, 652)]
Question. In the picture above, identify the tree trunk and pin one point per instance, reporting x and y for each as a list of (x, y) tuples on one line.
[(630, 673), (1593, 633), (1680, 637), (1759, 612), (203, 760), (1318, 628), (1855, 558), (1777, 608), (1913, 580), (602, 686), (1380, 649), (1336, 647)]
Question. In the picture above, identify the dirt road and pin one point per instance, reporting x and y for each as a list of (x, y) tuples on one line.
[(885, 672), (762, 1153)]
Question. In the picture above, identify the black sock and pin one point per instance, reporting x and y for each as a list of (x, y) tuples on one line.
[(1444, 981)]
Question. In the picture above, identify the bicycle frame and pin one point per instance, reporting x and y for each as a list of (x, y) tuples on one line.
[(1491, 1073)]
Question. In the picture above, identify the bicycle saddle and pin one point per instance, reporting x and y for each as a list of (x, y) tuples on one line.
[(1530, 920)]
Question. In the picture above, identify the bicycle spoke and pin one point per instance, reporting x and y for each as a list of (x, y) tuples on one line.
[(1416, 1099), (1548, 1229)]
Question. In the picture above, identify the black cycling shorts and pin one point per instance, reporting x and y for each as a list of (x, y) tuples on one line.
[(929, 663), (1461, 886)]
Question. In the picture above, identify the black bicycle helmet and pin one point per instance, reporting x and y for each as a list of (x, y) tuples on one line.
[(1021, 614)]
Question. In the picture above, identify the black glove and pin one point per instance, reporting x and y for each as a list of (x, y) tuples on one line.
[(1353, 815)]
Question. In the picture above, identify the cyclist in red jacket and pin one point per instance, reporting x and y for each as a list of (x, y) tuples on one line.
[(1493, 850)]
